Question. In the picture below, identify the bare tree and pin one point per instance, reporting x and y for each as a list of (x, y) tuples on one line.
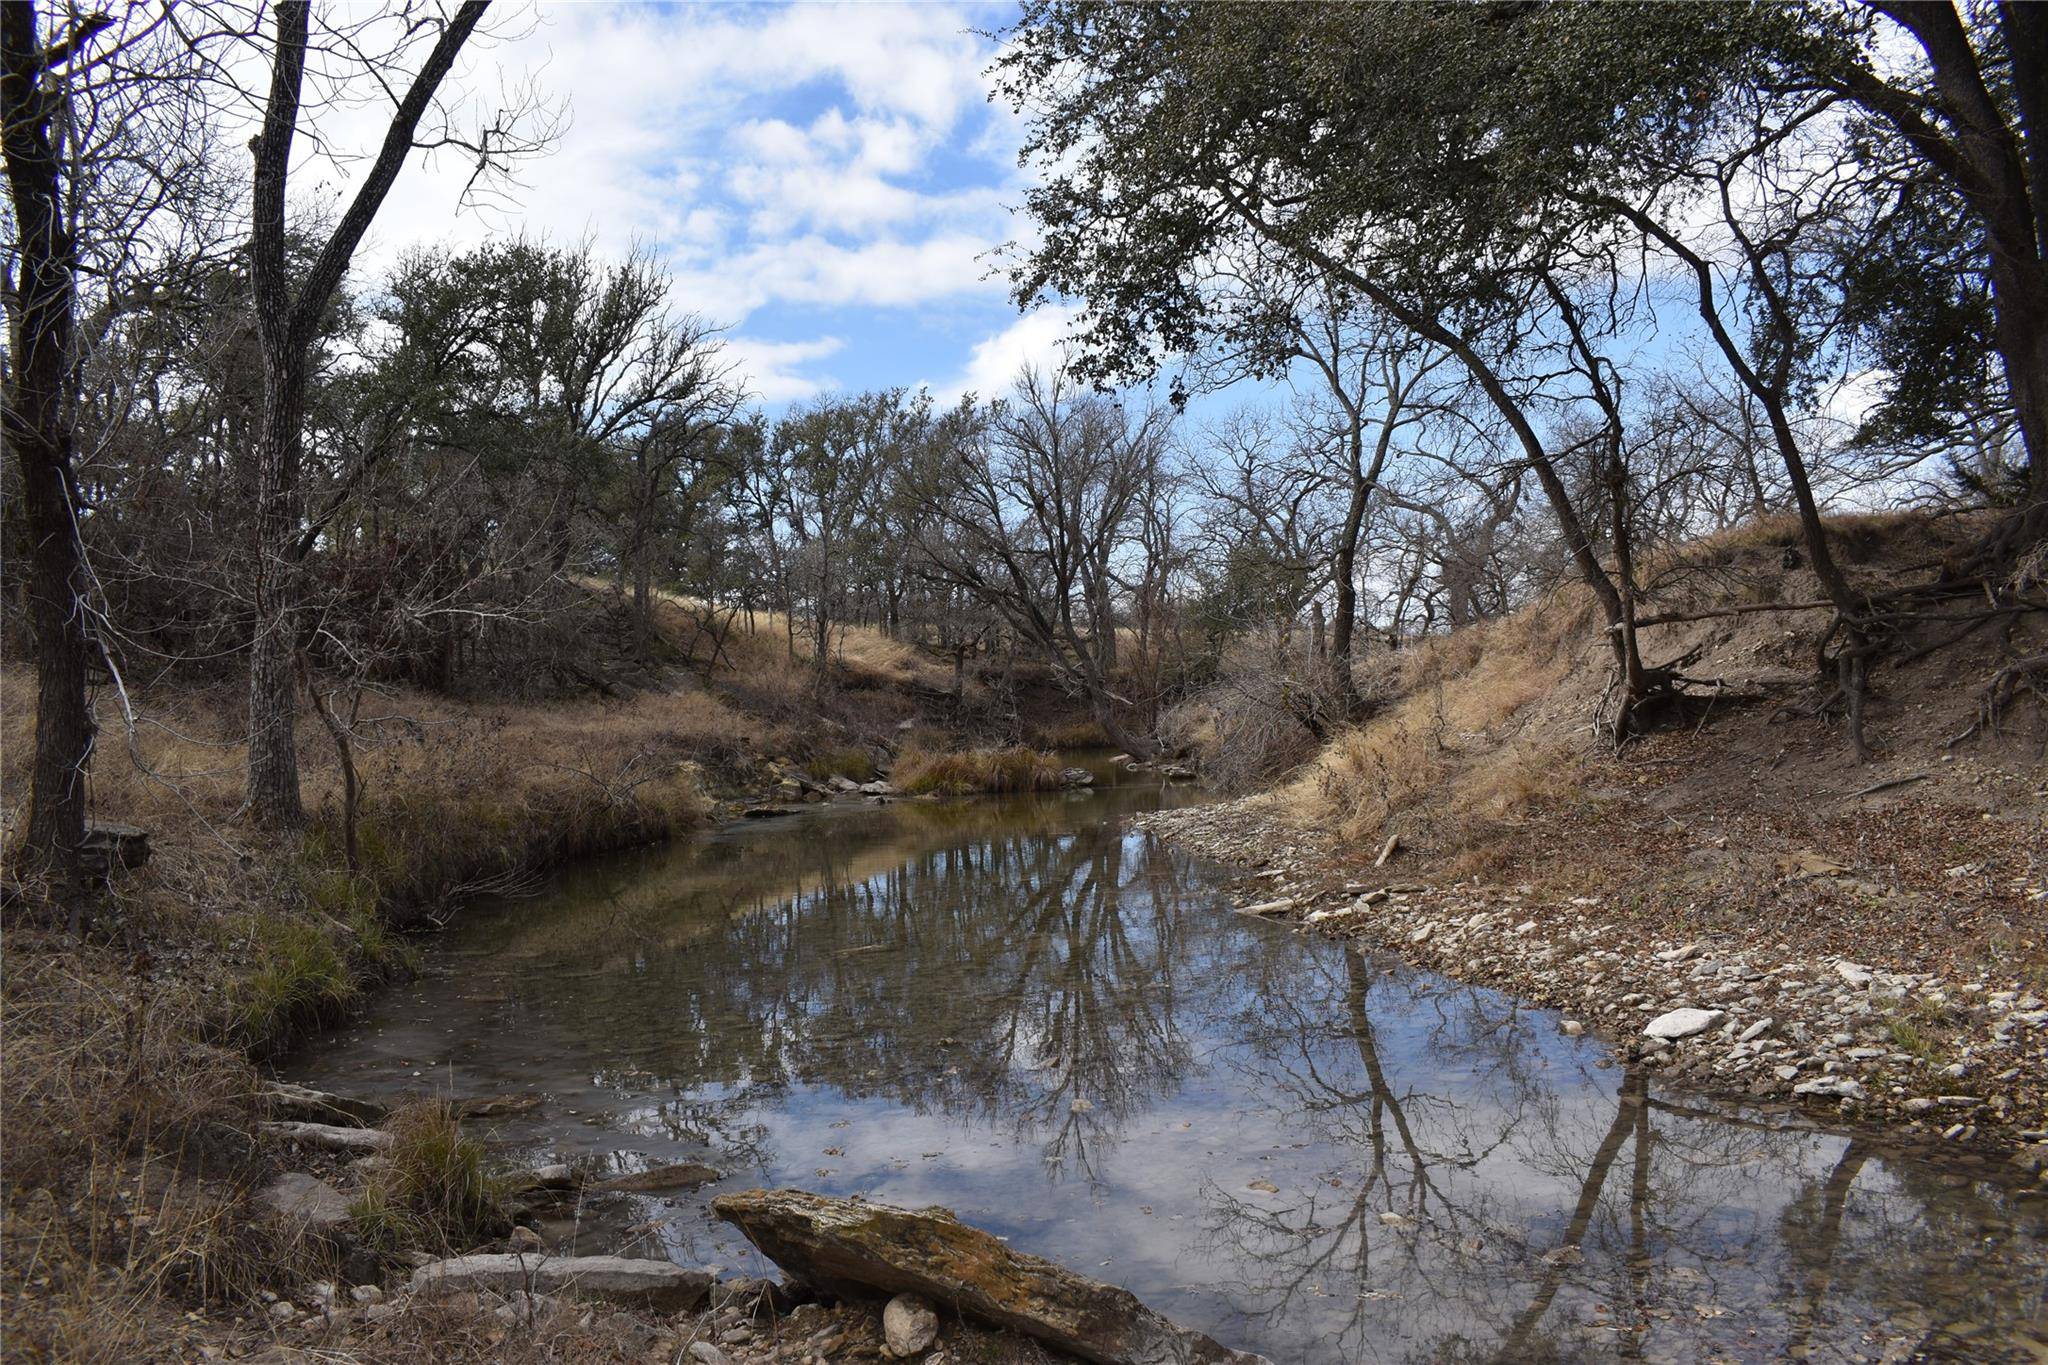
[(287, 315), (101, 143), (1043, 503)]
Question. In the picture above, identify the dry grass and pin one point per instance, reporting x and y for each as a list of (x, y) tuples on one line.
[(129, 1111), (1078, 734), (432, 1190), (1448, 758), (1015, 769), (762, 644)]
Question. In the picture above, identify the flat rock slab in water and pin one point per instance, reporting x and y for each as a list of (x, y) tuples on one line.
[(849, 1247), (306, 1105), (661, 1285)]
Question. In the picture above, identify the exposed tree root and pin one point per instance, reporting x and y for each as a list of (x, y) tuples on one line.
[(2029, 675)]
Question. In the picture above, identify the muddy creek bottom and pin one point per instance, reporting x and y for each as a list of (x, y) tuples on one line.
[(1053, 1025)]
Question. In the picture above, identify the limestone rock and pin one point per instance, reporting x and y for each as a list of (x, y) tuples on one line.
[(107, 846), (1676, 1024), (306, 1201), (845, 1246), (909, 1325), (660, 1285), (302, 1103), (686, 1175)]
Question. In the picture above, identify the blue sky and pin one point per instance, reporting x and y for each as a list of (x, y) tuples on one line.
[(826, 181)]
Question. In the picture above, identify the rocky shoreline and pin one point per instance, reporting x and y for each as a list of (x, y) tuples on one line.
[(1843, 1034)]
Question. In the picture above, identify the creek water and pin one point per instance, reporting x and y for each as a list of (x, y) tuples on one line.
[(1027, 1012)]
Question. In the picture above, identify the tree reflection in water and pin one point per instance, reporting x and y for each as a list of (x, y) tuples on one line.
[(1272, 1138)]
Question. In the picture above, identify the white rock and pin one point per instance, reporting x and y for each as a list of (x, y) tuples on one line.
[(305, 1201), (909, 1325), (704, 1353), (1675, 1024), (1756, 1030), (1845, 1086), (1571, 1028), (1852, 973)]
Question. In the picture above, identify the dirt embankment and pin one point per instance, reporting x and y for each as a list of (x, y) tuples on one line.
[(1867, 939)]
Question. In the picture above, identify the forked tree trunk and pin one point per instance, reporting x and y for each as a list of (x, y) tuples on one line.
[(286, 325)]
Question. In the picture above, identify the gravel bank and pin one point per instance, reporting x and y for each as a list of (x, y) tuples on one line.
[(1847, 1033)]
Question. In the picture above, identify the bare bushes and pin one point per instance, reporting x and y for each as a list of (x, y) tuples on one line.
[(1267, 713)]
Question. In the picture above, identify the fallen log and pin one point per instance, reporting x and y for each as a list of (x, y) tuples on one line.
[(330, 1137), (847, 1247)]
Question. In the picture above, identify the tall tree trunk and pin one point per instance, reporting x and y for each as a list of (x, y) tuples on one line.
[(37, 423), (287, 324), (2020, 295), (1344, 577), (273, 785)]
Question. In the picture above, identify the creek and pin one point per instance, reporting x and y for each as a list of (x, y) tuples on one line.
[(1023, 1010)]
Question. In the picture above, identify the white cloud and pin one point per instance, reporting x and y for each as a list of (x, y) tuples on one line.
[(816, 156), (768, 367), (1036, 339)]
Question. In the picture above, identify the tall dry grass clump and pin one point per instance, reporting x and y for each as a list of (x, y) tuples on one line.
[(959, 772), (432, 1189), (1076, 734)]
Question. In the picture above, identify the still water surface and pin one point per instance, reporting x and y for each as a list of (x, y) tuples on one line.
[(1053, 1025)]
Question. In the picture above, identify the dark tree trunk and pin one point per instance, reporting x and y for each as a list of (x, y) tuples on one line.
[(286, 325), (273, 790), (1344, 576), (37, 423)]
